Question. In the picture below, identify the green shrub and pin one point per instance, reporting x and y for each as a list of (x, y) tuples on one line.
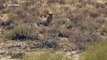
[(96, 52), (46, 55)]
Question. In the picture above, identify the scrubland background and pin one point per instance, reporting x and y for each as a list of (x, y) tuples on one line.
[(76, 25)]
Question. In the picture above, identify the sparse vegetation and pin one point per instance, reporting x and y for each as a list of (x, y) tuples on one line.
[(73, 25)]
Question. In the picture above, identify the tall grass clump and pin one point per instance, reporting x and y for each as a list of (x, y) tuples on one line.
[(20, 31), (96, 52)]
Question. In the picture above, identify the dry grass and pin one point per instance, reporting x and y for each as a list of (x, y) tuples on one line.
[(46, 55)]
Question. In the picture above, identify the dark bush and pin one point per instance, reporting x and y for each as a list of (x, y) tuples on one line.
[(48, 44)]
